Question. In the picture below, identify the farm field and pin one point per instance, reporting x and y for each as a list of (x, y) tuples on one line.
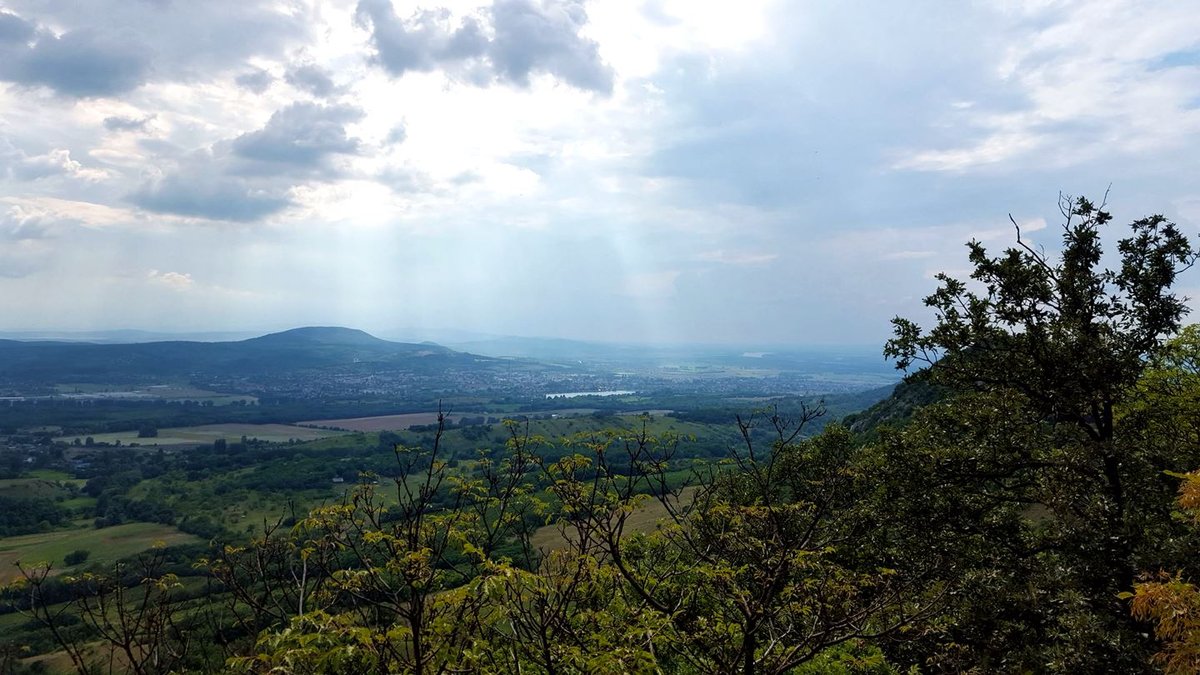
[(107, 545), (382, 422), (275, 433)]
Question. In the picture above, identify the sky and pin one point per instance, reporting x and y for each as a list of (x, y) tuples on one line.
[(758, 172)]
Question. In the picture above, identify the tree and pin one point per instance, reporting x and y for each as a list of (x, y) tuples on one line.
[(368, 585), (1173, 604), (1169, 412), (1050, 350), (766, 564), (138, 626)]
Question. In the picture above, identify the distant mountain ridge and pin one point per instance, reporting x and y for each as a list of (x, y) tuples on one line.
[(292, 350), (333, 335)]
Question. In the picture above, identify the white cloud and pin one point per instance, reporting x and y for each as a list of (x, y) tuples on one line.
[(1094, 85), (175, 281)]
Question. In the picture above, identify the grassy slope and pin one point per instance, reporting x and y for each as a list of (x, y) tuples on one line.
[(108, 544)]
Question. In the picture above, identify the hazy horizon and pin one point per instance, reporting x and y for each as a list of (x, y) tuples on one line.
[(446, 337), (638, 172)]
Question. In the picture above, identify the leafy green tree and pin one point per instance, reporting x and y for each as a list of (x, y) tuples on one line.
[(1168, 413), (387, 585), (1046, 494), (771, 561)]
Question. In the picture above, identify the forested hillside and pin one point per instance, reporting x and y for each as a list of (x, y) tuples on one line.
[(1011, 508)]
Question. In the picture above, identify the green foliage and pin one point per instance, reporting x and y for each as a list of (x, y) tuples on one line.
[(1036, 468), (441, 574), (1171, 603), (26, 515), (905, 399)]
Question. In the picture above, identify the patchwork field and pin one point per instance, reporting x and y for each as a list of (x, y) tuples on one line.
[(275, 433), (106, 545)]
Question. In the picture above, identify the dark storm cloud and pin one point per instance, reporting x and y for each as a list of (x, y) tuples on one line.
[(81, 63), (119, 123), (256, 81), (528, 37), (313, 79), (302, 134)]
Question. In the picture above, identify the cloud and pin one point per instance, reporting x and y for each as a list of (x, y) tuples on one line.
[(405, 180), (215, 199), (25, 242), (534, 37), (302, 134), (18, 224), (422, 42), (176, 281), (18, 165), (1103, 80), (200, 188), (185, 41), (861, 146), (257, 80), (313, 79), (123, 123), (14, 29), (528, 37), (81, 63), (253, 175), (397, 134)]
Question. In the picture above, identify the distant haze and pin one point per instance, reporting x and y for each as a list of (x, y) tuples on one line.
[(756, 173)]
